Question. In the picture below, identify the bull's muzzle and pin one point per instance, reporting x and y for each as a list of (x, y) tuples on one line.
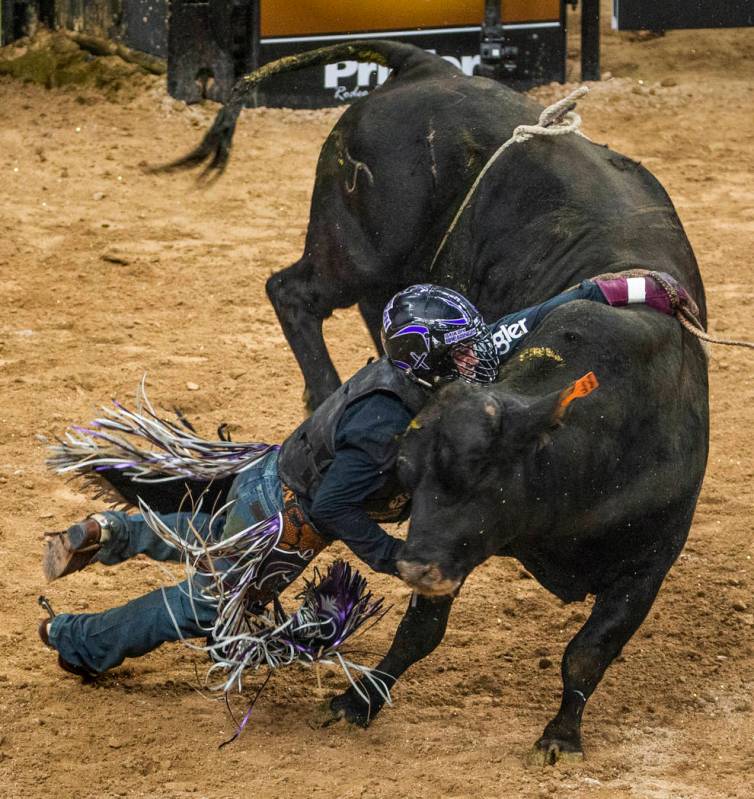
[(426, 578)]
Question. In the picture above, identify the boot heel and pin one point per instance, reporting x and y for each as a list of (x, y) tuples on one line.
[(72, 550)]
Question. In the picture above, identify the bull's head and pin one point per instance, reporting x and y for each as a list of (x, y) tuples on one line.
[(468, 459)]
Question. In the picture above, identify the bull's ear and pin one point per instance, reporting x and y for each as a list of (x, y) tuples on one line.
[(579, 388), (538, 419)]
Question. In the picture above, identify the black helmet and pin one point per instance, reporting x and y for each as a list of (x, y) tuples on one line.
[(436, 335)]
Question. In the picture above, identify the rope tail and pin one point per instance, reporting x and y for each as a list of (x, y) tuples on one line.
[(215, 146), (686, 312), (690, 323)]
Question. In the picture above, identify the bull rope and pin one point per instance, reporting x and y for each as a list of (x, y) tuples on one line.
[(685, 311), (558, 119)]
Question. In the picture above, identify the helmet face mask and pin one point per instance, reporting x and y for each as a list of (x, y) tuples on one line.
[(477, 360), (436, 335)]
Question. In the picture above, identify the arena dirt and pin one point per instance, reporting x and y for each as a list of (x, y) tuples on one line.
[(107, 273)]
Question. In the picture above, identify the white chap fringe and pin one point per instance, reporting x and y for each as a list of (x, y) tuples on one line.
[(233, 570), (172, 451)]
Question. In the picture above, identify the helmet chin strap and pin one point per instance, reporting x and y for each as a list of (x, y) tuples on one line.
[(420, 381), (439, 381), (411, 375)]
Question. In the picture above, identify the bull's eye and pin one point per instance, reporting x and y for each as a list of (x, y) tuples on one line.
[(451, 473)]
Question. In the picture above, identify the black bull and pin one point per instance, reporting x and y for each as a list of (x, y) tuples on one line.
[(597, 500)]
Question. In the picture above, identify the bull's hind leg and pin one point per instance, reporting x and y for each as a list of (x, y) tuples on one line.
[(420, 631), (302, 301), (616, 615)]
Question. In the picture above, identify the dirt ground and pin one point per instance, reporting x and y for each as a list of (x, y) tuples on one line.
[(107, 272)]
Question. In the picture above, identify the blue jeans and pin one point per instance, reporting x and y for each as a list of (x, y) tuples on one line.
[(100, 641)]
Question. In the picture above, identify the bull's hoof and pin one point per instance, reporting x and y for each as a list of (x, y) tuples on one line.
[(549, 751), (352, 708), (346, 708)]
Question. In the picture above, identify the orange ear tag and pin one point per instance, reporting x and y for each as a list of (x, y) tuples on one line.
[(581, 388)]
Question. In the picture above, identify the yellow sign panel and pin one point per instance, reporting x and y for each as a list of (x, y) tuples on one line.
[(307, 17)]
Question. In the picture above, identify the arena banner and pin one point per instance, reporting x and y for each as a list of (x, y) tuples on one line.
[(450, 28), (675, 14)]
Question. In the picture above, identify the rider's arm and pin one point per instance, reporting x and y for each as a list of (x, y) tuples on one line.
[(365, 439), (511, 331)]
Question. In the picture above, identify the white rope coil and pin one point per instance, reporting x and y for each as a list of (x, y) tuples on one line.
[(558, 119)]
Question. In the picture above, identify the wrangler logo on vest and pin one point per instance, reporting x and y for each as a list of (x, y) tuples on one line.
[(505, 335)]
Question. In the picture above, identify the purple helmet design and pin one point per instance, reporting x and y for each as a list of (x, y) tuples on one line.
[(436, 335)]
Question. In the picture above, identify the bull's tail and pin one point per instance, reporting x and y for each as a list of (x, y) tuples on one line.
[(215, 146)]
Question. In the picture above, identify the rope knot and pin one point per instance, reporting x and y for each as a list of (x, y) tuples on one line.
[(557, 119)]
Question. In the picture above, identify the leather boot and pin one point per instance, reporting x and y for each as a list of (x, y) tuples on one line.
[(73, 549), (79, 671)]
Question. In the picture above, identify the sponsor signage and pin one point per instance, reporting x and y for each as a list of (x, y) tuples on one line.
[(674, 14), (450, 28)]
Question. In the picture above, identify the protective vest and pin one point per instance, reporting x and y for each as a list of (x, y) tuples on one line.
[(310, 449)]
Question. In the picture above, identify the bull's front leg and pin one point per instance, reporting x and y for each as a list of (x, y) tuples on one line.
[(420, 631), (302, 301), (615, 617)]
